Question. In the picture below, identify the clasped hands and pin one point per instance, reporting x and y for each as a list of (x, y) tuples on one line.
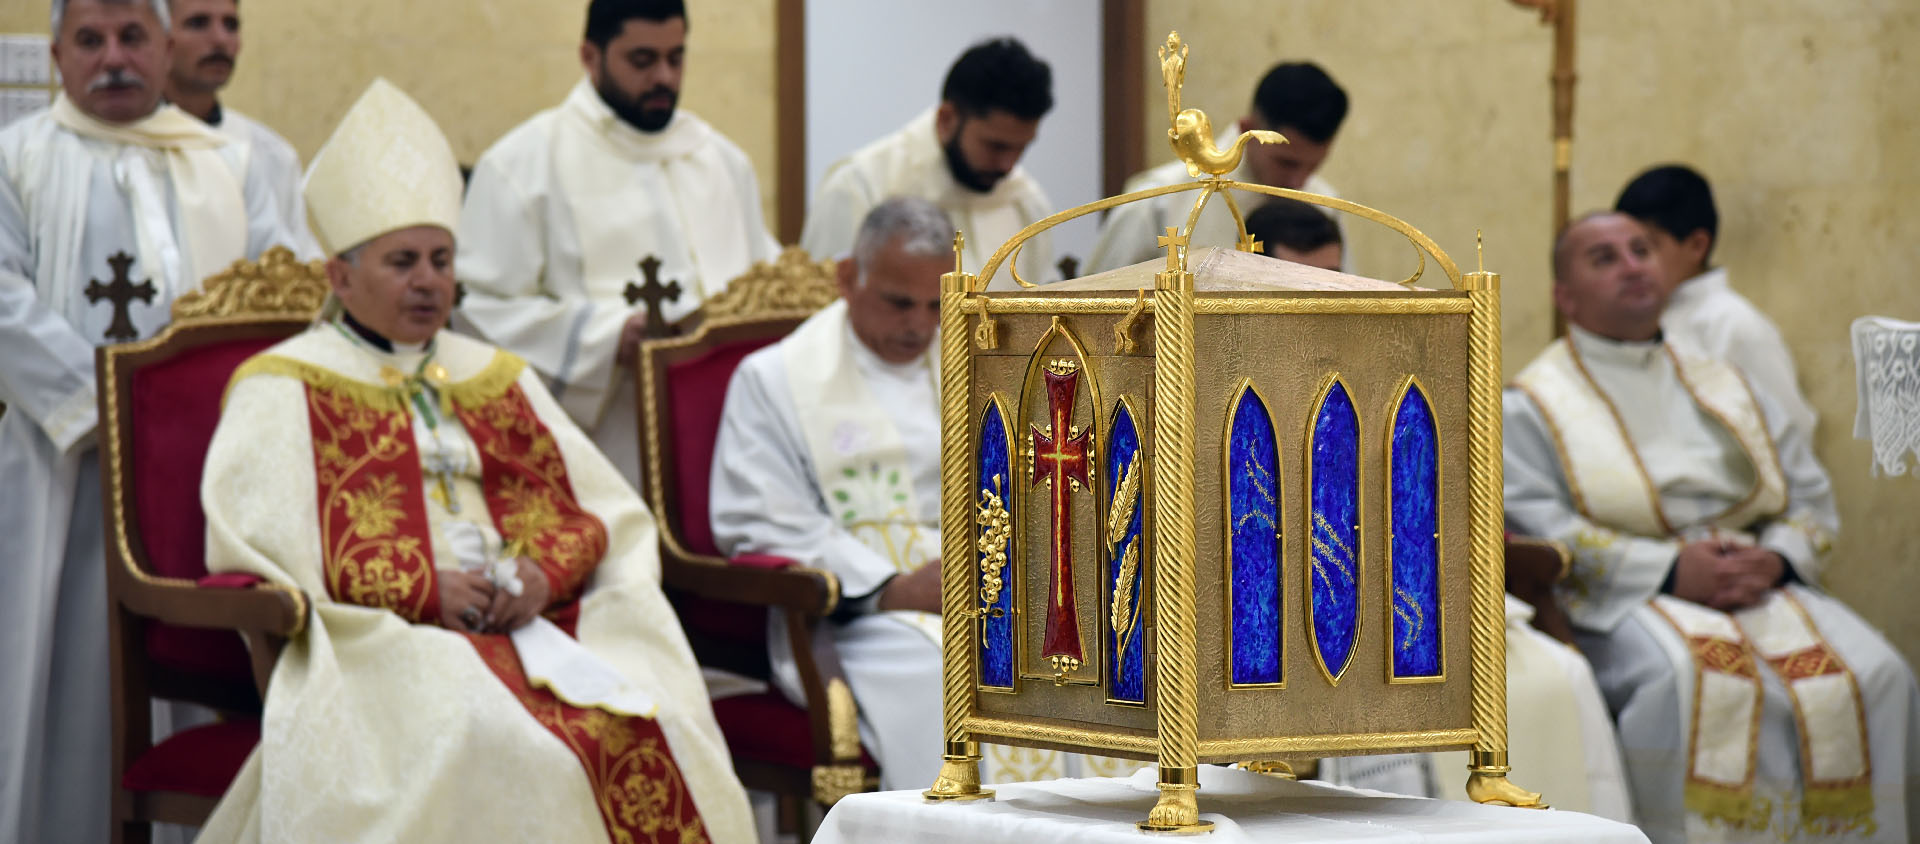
[(470, 602), (1724, 576)]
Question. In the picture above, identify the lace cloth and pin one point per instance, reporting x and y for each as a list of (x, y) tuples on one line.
[(1886, 360)]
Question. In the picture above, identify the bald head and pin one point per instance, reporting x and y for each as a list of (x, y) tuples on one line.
[(1605, 278)]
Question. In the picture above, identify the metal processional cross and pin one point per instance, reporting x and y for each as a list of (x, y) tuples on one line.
[(654, 293), (121, 291), (1060, 459)]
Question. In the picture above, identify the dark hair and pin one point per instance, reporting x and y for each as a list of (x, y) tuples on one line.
[(1302, 96), (999, 74), (1293, 224), (605, 18), (1674, 198)]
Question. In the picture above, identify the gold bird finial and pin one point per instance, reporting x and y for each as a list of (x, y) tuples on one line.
[(1192, 133)]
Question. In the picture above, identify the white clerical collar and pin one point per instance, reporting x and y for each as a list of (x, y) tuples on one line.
[(868, 361), (1699, 287), (1593, 348)]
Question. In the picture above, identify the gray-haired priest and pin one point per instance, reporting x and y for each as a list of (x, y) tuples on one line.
[(1752, 706), (489, 656), (829, 454), (112, 203)]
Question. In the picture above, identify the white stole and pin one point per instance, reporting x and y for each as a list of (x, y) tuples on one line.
[(1611, 486), (859, 459), (213, 206), (592, 155)]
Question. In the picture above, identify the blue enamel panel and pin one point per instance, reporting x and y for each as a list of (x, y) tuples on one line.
[(1333, 585), (996, 640), (1124, 637), (1253, 505), (1416, 544)]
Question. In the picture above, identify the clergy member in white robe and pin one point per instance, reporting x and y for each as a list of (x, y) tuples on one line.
[(489, 656), (962, 156), (1705, 315), (1751, 705), (562, 212), (206, 45), (829, 454), (111, 205), (1296, 99)]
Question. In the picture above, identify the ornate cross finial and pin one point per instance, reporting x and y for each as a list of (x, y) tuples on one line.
[(121, 291), (1173, 241), (654, 293), (1249, 244)]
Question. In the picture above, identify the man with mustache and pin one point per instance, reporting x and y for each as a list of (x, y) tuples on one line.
[(1296, 99), (963, 155), (1750, 704), (206, 43), (564, 208), (107, 185)]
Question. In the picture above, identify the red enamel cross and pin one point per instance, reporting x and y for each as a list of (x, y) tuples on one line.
[(1060, 459)]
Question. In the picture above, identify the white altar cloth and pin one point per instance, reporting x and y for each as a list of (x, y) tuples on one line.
[(1243, 806)]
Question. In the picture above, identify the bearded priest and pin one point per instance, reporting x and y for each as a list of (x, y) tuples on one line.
[(489, 656)]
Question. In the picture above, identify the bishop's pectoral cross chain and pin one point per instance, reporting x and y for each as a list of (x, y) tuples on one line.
[(121, 291)]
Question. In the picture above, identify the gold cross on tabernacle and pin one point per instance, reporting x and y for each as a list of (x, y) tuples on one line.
[(1173, 241), (654, 293), (120, 292), (1249, 244)]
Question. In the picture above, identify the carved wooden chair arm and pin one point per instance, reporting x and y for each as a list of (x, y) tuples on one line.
[(757, 579), (1534, 566)]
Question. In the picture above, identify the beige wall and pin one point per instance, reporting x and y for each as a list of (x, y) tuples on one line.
[(479, 66), (1801, 114)]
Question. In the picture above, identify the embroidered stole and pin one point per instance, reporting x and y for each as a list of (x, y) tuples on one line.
[(1611, 487), (378, 553), (859, 459)]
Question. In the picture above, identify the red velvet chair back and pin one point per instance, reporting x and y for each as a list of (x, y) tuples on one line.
[(683, 389), (174, 406)]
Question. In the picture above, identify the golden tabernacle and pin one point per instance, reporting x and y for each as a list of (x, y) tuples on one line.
[(1222, 508)]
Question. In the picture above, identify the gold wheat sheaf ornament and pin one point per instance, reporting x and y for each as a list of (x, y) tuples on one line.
[(1124, 612)]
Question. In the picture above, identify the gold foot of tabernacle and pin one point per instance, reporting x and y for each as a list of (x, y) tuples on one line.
[(959, 775), (1272, 768), (1177, 812), (1488, 783)]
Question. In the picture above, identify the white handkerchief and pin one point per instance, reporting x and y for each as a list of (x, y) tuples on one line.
[(556, 661)]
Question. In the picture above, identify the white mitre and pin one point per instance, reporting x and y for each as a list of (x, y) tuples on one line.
[(386, 168)]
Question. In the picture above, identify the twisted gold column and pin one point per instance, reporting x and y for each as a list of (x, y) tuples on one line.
[(1174, 548), (1487, 781), (959, 777)]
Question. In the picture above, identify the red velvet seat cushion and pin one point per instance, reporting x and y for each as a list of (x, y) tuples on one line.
[(201, 761), (696, 392), (767, 728), (174, 407)]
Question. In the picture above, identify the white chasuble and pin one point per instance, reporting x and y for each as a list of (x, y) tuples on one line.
[(360, 476), (1755, 723), (911, 162), (1130, 231), (101, 228), (830, 456), (558, 218)]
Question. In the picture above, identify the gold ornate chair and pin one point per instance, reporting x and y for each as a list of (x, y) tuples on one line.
[(171, 625), (797, 753)]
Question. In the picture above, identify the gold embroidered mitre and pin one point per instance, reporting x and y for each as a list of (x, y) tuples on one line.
[(387, 167)]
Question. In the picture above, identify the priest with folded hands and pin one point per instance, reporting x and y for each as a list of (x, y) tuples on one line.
[(488, 656)]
